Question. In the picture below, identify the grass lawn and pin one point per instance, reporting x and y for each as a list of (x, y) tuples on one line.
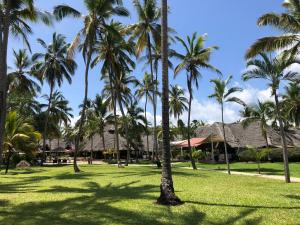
[(104, 194), (266, 168)]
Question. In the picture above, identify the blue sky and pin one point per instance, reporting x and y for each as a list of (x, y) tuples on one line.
[(230, 24)]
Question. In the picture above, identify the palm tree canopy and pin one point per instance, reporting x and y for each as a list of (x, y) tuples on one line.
[(291, 101), (145, 88), (273, 69), (196, 57), (20, 79), (288, 22), (222, 92), (54, 66), (178, 101)]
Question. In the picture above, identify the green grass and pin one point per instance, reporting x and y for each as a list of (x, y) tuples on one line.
[(266, 168), (104, 194)]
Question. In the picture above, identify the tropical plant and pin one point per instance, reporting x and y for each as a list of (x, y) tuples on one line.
[(223, 93), (147, 32), (257, 154), (262, 112), (178, 102), (145, 89), (291, 101), (20, 135), (196, 57), (274, 70), (14, 17), (95, 25), (20, 79), (167, 192), (288, 22), (54, 67)]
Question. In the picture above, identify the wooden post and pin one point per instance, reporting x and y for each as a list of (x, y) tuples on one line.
[(212, 150)]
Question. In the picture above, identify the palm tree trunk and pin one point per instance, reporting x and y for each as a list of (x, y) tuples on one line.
[(167, 193), (155, 145), (126, 131), (225, 142), (283, 142), (147, 135), (82, 118), (8, 160), (113, 98), (3, 80), (92, 146), (103, 141), (189, 124), (45, 134)]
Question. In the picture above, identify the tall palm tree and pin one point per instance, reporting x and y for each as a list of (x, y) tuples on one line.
[(145, 89), (178, 102), (20, 79), (261, 112), (53, 66), (291, 101), (274, 70), (167, 192), (147, 31), (288, 22), (194, 58), (14, 17), (115, 53), (222, 94), (99, 12), (19, 135)]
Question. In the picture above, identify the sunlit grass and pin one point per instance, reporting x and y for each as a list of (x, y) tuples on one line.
[(104, 194)]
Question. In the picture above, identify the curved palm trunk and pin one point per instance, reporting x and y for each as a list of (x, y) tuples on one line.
[(167, 193), (155, 145), (126, 131), (4, 33), (82, 118), (189, 124), (283, 142), (147, 135), (225, 142), (45, 133)]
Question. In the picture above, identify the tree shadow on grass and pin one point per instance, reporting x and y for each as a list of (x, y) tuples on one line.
[(296, 197)]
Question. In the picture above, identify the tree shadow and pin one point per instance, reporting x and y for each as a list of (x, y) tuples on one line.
[(296, 197)]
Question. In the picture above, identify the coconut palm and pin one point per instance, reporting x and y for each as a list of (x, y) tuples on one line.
[(115, 53), (147, 32), (223, 94), (274, 70), (261, 112), (53, 66), (99, 12), (288, 22), (178, 102), (20, 79), (291, 101), (145, 89), (19, 136), (15, 15), (194, 58), (167, 192)]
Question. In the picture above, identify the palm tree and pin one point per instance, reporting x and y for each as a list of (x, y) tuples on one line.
[(222, 94), (99, 11), (147, 31), (19, 135), (291, 101), (14, 17), (288, 22), (20, 80), (54, 67), (178, 102), (195, 58), (103, 116), (274, 70), (145, 89), (115, 53), (261, 112), (167, 192)]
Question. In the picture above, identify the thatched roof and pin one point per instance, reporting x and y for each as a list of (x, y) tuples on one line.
[(239, 137)]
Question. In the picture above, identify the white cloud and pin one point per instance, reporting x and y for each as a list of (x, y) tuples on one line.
[(74, 120)]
